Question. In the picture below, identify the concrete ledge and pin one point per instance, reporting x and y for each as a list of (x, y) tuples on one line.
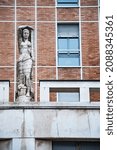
[(50, 105)]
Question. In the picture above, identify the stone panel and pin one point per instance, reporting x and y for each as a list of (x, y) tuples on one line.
[(50, 123), (43, 145), (23, 144), (12, 124)]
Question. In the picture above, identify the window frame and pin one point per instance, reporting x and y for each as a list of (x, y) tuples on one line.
[(69, 51), (68, 4)]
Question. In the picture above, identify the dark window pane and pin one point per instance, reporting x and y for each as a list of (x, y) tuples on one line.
[(76, 146), (90, 146), (64, 146)]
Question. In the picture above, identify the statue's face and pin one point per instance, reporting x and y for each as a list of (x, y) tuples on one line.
[(25, 33)]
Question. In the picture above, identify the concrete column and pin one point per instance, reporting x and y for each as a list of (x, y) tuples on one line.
[(23, 144), (84, 94), (44, 94), (43, 145), (4, 91)]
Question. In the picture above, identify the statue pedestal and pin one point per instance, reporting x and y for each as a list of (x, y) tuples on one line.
[(24, 99)]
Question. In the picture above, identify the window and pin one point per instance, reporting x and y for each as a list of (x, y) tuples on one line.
[(69, 95), (67, 2), (68, 45), (76, 145)]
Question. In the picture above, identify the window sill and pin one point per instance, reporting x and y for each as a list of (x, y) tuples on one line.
[(68, 66), (50, 105), (67, 6)]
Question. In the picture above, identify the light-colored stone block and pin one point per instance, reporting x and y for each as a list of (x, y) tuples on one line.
[(50, 123), (43, 145), (11, 123), (23, 144)]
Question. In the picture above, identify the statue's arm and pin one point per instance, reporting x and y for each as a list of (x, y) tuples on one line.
[(31, 52)]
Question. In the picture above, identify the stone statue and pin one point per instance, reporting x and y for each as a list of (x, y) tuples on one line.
[(25, 64)]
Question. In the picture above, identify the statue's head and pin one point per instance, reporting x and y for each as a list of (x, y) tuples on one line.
[(26, 33)]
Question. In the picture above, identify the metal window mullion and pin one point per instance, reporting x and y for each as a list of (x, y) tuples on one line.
[(73, 52)]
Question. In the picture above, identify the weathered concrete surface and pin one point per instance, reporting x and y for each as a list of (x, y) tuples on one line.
[(49, 123), (11, 123), (43, 145), (23, 144)]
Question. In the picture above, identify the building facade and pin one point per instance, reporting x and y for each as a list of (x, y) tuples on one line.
[(65, 111)]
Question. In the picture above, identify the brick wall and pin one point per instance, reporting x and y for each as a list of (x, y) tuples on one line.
[(68, 14), (44, 17)]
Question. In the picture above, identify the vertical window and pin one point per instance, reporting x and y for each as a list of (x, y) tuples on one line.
[(67, 2), (68, 45)]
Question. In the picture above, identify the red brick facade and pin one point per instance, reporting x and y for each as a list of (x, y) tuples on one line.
[(45, 17)]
